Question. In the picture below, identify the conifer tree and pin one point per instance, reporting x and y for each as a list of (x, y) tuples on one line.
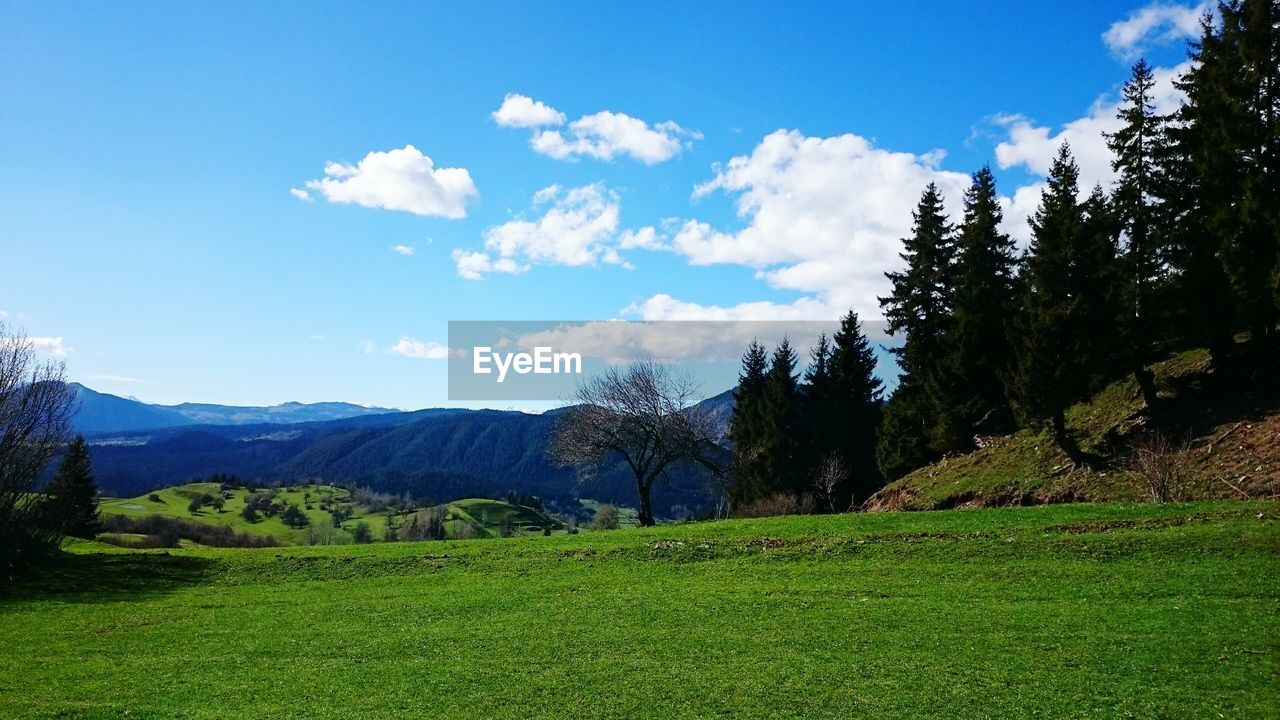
[(968, 388), (780, 456), (818, 434), (71, 498), (1224, 168), (1051, 371), (746, 432), (917, 310), (855, 409), (1139, 148), (1252, 30)]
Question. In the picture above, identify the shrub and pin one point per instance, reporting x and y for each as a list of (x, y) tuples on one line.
[(1163, 468), (606, 518), (777, 504), (362, 533), (154, 497), (295, 518)]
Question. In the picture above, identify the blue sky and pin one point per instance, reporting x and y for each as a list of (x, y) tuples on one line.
[(173, 228)]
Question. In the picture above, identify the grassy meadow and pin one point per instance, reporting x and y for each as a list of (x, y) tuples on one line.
[(1115, 610), (482, 517)]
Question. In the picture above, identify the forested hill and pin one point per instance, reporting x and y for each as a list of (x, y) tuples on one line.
[(438, 455)]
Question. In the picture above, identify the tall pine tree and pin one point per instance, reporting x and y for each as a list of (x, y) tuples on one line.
[(746, 428), (1067, 308), (968, 388), (856, 397), (917, 310), (781, 458), (1139, 148)]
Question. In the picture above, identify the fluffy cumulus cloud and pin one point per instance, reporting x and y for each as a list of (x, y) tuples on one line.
[(823, 216), (1033, 146), (1157, 23), (603, 135), (521, 111), (405, 250), (579, 226), (411, 348), (402, 179), (51, 346)]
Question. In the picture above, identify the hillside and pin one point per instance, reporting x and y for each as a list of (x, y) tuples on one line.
[(1119, 610), (437, 455), (483, 517), (1222, 428)]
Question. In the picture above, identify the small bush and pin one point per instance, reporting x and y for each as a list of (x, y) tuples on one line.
[(606, 518), (1163, 468), (362, 533), (777, 504), (154, 497)]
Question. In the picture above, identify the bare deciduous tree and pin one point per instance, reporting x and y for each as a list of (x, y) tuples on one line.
[(35, 418), (828, 475), (644, 415)]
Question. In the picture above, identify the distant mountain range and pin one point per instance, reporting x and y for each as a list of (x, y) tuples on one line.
[(100, 412), (439, 454)]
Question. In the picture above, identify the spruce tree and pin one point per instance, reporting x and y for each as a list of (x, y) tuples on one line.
[(917, 310), (1052, 367), (818, 434), (781, 459), (1252, 29), (967, 389), (1139, 148), (71, 498), (855, 409), (746, 428)]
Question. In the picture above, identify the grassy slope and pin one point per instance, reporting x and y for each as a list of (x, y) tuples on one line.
[(485, 516), (1027, 468), (174, 501), (1056, 611)]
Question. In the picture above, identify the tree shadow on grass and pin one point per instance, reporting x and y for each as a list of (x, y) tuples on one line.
[(107, 578)]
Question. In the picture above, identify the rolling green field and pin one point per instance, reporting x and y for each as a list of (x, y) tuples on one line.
[(484, 516), (1112, 611)]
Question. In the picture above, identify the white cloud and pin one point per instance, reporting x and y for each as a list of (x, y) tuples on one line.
[(522, 111), (1034, 146), (367, 346), (579, 228), (603, 135), (402, 179), (402, 250), (301, 194), (316, 338), (114, 378), (411, 348), (823, 216), (52, 346), (1157, 23)]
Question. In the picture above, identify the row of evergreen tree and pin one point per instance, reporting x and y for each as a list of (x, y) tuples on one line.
[(1185, 251), (794, 434)]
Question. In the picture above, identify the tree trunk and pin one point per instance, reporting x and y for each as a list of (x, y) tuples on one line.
[(646, 506), (1147, 383), (1064, 442)]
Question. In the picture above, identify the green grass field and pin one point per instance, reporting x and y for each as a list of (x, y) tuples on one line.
[(1111, 611), (485, 517)]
